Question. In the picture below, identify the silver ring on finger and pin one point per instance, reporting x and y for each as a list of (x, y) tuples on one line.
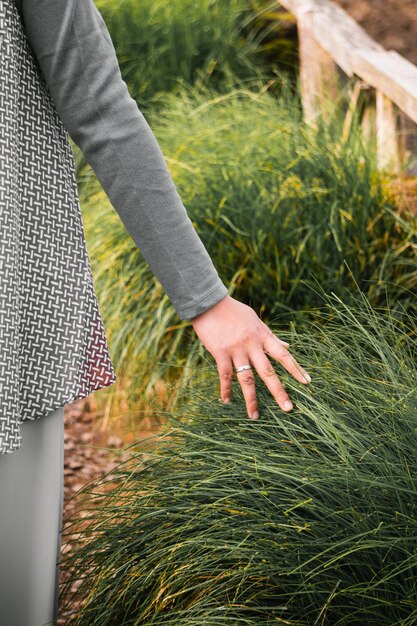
[(243, 367)]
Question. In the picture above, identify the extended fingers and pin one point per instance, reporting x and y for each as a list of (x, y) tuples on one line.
[(275, 347), (247, 382), (271, 380), (225, 369), (281, 354)]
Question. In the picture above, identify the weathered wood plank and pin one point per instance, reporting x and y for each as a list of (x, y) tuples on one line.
[(391, 74)]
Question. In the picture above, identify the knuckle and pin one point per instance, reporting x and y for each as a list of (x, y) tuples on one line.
[(263, 327), (247, 335), (269, 371), (226, 375), (248, 379)]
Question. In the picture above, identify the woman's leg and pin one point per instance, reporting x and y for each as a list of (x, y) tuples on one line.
[(31, 501)]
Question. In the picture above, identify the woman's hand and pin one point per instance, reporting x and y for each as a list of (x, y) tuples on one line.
[(234, 334)]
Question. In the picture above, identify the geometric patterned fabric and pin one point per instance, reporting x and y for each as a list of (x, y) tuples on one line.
[(53, 347)]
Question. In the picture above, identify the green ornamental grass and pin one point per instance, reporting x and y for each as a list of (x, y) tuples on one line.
[(161, 45), (277, 204), (303, 518)]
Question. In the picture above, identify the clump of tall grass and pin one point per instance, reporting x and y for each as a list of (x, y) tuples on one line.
[(277, 201), (160, 44), (278, 205), (303, 518)]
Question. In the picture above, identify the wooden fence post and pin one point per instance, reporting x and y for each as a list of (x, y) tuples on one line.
[(386, 132), (318, 70), (407, 143), (368, 120)]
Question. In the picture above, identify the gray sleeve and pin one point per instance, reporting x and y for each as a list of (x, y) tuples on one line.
[(74, 50)]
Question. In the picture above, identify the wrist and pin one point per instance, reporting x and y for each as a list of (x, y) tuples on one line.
[(215, 308)]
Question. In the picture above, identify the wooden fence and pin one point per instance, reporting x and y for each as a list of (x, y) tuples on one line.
[(330, 41)]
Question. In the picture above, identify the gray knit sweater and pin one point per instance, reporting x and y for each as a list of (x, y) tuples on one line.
[(76, 55)]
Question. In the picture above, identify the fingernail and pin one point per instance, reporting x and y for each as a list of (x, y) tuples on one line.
[(255, 415), (227, 400), (288, 405), (307, 377)]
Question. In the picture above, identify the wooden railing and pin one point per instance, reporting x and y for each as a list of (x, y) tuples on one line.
[(330, 41)]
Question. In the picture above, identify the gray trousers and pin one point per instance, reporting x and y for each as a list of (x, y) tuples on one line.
[(31, 502)]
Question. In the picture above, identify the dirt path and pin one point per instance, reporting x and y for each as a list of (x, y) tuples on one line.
[(393, 23), (88, 455)]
